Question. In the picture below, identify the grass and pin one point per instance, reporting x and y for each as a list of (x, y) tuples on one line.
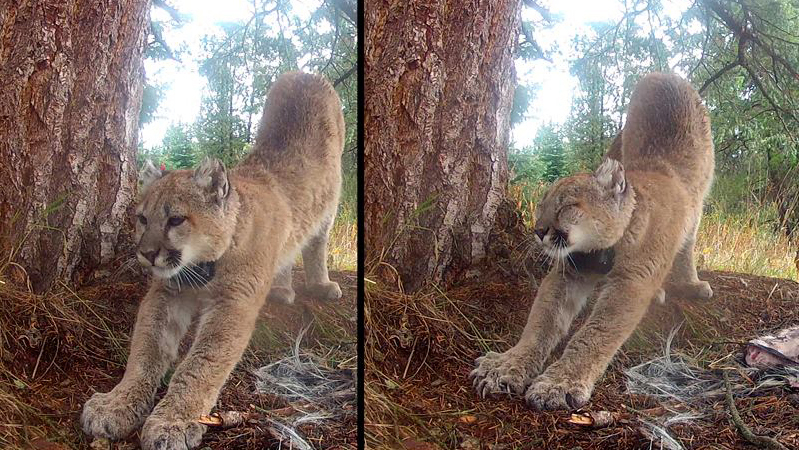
[(343, 247), (739, 243)]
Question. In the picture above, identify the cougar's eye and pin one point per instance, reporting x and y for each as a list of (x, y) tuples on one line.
[(142, 219), (175, 221)]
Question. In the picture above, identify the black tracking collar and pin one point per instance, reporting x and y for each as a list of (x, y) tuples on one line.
[(195, 276), (597, 261)]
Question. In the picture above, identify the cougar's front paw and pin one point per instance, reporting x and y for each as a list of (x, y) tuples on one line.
[(281, 295), (112, 416), (501, 373), (325, 291), (547, 392), (159, 433)]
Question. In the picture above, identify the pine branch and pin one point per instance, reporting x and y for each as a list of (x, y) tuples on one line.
[(344, 77), (174, 13), (718, 74)]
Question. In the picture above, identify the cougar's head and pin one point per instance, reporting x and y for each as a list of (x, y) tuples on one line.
[(183, 217), (584, 212)]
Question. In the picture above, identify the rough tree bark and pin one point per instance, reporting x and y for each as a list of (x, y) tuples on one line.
[(72, 86), (439, 82)]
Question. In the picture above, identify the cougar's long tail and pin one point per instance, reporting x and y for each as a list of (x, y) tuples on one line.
[(667, 123), (302, 119)]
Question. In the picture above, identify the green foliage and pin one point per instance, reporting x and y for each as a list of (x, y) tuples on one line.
[(549, 146), (525, 165), (178, 150), (522, 98), (157, 49), (528, 49), (181, 150), (151, 97)]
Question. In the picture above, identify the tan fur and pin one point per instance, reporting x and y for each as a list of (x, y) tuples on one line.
[(252, 222), (647, 209)]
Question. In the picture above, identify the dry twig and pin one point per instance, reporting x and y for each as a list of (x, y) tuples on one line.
[(760, 441)]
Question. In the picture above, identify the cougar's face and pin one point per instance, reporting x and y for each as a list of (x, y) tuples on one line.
[(582, 213), (179, 224)]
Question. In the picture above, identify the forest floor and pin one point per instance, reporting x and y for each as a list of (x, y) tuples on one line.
[(58, 349), (420, 351)]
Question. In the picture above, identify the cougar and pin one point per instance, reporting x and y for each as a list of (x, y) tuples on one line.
[(215, 242), (630, 228)]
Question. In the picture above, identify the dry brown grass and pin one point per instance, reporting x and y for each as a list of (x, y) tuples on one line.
[(743, 245), (343, 248)]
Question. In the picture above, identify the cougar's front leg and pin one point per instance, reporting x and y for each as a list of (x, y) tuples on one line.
[(222, 336), (569, 382), (314, 260), (161, 322), (560, 298)]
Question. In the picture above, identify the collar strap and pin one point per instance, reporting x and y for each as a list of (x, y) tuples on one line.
[(194, 276), (597, 261)]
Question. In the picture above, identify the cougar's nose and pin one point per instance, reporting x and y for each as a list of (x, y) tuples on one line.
[(540, 232), (150, 255)]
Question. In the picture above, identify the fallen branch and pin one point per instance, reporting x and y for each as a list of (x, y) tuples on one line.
[(760, 441)]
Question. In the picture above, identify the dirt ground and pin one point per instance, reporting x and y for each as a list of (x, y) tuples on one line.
[(421, 349), (60, 348)]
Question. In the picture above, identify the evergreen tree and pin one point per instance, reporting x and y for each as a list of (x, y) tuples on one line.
[(549, 147), (180, 151)]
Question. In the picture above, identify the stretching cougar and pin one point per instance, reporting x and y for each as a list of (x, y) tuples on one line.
[(633, 231), (214, 242)]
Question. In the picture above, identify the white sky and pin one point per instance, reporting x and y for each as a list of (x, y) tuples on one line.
[(183, 84), (552, 100)]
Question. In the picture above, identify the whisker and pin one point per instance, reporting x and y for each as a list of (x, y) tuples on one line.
[(568, 255), (201, 281), (192, 277)]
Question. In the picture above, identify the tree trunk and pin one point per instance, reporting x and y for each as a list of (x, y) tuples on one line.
[(439, 82), (69, 109)]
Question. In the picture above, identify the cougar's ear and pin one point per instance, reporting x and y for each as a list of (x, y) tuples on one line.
[(149, 173), (610, 175), (211, 176)]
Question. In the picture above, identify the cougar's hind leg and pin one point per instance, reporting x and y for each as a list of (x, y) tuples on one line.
[(683, 280), (282, 291), (314, 259)]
